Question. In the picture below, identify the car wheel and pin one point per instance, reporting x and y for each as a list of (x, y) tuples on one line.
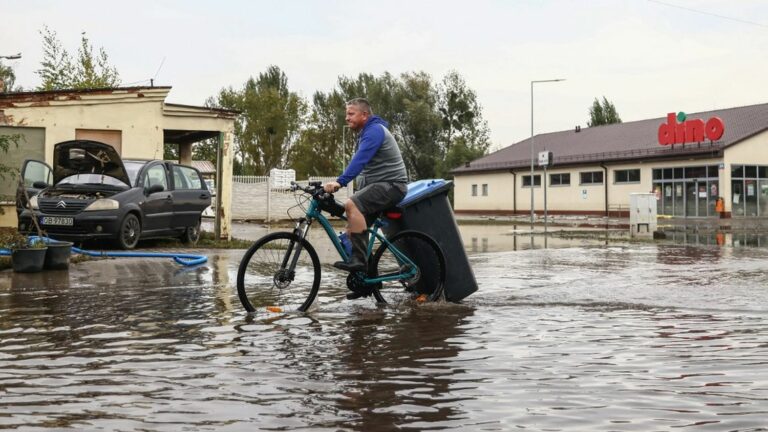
[(130, 231), (191, 234)]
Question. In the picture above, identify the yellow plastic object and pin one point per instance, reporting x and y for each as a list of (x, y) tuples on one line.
[(422, 298), (275, 309)]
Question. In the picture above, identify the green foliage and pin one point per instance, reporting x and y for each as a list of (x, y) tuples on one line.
[(10, 238), (269, 125), (6, 141), (427, 119), (60, 71), (438, 126), (8, 78), (171, 151), (603, 113), (206, 150)]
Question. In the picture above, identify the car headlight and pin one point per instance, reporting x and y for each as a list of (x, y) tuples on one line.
[(33, 202), (103, 204)]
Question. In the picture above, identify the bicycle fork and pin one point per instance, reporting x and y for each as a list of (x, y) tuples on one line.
[(286, 267)]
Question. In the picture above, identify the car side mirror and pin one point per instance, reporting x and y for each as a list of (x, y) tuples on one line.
[(39, 185), (155, 188)]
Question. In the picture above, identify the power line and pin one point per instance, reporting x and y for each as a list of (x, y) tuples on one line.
[(709, 13)]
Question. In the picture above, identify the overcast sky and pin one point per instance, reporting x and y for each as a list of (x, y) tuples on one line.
[(648, 57)]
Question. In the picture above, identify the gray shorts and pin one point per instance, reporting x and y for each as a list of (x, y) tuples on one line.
[(377, 197)]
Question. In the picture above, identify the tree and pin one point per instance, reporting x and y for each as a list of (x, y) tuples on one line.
[(602, 114), (438, 127), (269, 125), (465, 134), (7, 79), (6, 141), (59, 71)]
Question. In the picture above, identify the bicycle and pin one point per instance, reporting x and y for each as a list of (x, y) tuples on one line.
[(281, 270)]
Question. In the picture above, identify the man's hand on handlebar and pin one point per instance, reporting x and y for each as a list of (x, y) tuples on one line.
[(332, 187)]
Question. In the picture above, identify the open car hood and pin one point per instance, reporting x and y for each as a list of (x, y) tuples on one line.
[(87, 157)]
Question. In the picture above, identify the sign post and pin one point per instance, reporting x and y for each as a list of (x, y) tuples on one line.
[(545, 159)]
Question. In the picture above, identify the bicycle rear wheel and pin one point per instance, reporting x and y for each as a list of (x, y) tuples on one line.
[(429, 280), (264, 280)]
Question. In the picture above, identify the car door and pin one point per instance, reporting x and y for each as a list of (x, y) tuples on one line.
[(36, 175), (190, 196), (158, 204)]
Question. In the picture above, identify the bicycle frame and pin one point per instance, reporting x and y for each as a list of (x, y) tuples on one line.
[(313, 213)]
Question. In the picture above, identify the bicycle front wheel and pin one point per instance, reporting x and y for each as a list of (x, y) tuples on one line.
[(426, 254), (266, 280)]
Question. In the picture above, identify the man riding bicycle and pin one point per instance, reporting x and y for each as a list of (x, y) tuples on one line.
[(381, 178)]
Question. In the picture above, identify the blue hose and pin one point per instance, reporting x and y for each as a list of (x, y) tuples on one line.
[(183, 259)]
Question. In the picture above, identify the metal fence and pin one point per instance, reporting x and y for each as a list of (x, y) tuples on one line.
[(254, 198)]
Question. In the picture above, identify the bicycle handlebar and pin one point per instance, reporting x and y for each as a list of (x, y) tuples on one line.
[(314, 188)]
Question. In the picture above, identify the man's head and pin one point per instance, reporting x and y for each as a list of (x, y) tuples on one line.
[(358, 112)]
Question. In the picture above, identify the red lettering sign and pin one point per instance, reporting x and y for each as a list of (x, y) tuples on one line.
[(690, 131)]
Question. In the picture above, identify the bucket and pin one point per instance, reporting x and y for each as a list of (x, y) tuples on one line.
[(57, 257), (28, 260)]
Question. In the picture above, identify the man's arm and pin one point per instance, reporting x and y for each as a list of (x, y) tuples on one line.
[(370, 142)]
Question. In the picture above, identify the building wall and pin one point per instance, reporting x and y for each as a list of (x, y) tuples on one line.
[(751, 151), (500, 192), (139, 115), (139, 120), (573, 198)]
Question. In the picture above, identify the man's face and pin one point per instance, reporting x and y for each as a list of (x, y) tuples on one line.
[(356, 118)]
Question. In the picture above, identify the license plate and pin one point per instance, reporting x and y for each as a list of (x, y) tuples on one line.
[(54, 220)]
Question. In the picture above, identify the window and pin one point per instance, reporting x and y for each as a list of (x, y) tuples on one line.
[(156, 175), (186, 178), (591, 177), (474, 190), (536, 181), (560, 179), (626, 176), (485, 190)]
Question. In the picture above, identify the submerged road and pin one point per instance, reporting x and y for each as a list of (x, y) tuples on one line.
[(579, 336)]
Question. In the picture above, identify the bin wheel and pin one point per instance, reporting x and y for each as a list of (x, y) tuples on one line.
[(429, 279)]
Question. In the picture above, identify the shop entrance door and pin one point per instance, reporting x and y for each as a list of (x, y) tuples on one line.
[(696, 198)]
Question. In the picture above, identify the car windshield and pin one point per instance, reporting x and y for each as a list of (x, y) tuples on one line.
[(92, 179), (133, 168)]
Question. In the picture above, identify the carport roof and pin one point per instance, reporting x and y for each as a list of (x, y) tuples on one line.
[(636, 140)]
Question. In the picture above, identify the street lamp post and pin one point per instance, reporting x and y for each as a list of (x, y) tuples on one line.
[(532, 146)]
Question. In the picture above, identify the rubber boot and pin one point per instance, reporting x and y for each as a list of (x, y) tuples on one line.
[(358, 260)]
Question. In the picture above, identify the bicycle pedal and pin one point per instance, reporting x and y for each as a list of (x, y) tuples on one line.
[(354, 295)]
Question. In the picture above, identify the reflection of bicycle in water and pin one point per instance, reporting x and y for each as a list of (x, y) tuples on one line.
[(282, 270)]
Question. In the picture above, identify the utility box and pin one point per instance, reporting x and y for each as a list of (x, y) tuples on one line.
[(426, 208), (642, 214)]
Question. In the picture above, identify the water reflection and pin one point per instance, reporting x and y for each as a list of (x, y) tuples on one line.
[(640, 337)]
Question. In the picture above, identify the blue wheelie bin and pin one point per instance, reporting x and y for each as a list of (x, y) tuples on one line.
[(426, 208)]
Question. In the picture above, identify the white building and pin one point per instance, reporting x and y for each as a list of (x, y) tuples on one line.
[(689, 161)]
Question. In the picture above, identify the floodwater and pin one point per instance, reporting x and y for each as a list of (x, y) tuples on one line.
[(580, 336)]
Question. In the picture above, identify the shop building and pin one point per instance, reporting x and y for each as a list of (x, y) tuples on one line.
[(690, 161)]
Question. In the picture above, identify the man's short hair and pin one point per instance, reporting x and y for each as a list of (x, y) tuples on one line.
[(362, 104)]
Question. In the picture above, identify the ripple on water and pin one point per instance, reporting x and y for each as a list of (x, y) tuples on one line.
[(588, 338)]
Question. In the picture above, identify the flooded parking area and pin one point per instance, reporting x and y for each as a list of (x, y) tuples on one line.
[(580, 335)]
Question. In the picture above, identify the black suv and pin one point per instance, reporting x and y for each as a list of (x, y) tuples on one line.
[(91, 193)]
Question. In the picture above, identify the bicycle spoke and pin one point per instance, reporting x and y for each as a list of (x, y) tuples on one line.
[(263, 281)]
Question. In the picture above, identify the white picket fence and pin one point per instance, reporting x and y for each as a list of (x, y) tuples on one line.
[(254, 199)]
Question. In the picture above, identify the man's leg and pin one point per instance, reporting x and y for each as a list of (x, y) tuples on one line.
[(355, 219), (358, 236)]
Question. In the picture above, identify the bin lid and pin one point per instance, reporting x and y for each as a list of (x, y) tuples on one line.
[(422, 188)]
